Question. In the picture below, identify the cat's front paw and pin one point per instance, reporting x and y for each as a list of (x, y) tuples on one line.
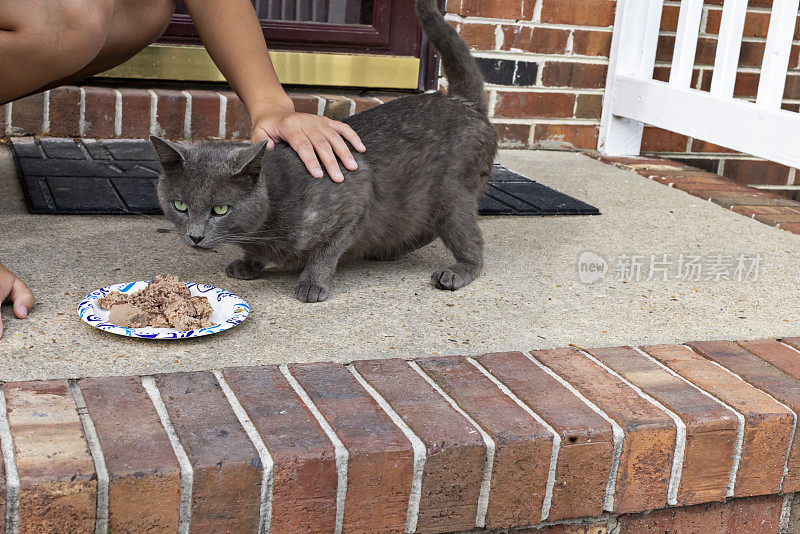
[(451, 280), (308, 292), (244, 269)]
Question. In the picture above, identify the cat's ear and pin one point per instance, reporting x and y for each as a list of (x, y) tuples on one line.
[(249, 160), (170, 154)]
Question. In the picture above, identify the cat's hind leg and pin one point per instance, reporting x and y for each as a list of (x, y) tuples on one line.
[(461, 234)]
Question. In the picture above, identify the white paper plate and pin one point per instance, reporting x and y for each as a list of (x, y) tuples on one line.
[(229, 311)]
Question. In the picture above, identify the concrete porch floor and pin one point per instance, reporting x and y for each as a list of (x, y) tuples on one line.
[(529, 297)]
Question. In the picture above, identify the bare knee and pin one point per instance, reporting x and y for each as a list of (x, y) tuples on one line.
[(160, 13), (63, 36), (140, 22)]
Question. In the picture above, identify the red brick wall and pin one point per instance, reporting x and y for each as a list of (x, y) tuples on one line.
[(546, 61)]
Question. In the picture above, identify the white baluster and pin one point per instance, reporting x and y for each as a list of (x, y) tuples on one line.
[(633, 53), (686, 43), (728, 48), (776, 53)]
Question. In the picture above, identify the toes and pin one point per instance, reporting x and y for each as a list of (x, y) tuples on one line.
[(310, 293), (449, 280), (243, 270), (444, 279), (234, 269), (313, 294), (232, 272), (301, 292)]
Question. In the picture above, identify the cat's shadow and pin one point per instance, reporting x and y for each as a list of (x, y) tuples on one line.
[(422, 259)]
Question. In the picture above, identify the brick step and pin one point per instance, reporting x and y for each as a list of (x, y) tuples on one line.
[(129, 112), (766, 207), (678, 438)]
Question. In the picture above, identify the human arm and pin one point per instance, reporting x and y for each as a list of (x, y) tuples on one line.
[(232, 35)]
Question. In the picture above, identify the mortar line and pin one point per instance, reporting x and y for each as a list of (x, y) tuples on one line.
[(267, 463), (785, 187), (534, 122), (794, 415), (540, 89), (187, 116), (680, 432), (536, 57), (789, 346), (117, 113), (101, 515), (704, 24), (551, 473), (10, 463), (499, 38), (537, 11), (187, 473), (342, 456), (352, 108), (82, 113), (786, 514), (154, 126), (9, 109), (583, 521), (223, 112), (419, 448), (618, 435), (483, 496), (737, 450), (46, 112), (531, 23)]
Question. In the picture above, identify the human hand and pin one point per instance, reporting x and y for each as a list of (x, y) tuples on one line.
[(14, 290), (312, 137)]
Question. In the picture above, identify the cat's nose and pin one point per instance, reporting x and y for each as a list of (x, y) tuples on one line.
[(196, 238)]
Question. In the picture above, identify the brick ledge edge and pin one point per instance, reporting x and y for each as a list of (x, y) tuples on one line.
[(129, 112), (614, 439), (769, 208)]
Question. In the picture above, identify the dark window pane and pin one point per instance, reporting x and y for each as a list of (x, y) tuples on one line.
[(325, 11)]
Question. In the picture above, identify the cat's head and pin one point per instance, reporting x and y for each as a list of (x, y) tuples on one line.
[(211, 190)]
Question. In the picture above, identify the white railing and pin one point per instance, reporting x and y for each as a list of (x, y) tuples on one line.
[(633, 98)]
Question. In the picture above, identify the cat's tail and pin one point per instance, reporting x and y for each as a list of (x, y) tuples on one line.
[(463, 76)]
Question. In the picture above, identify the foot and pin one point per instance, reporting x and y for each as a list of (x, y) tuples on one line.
[(308, 292), (452, 278), (244, 269)]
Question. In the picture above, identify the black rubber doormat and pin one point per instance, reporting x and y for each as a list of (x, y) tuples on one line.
[(118, 176), (62, 176), (510, 193)]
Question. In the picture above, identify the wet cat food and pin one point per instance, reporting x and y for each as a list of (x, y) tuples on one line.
[(164, 303)]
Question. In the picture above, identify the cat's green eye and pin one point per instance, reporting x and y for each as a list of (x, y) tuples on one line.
[(220, 210), (180, 206)]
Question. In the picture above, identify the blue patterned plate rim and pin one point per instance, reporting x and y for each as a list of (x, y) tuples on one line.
[(229, 311)]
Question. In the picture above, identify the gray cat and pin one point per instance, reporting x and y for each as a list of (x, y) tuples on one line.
[(428, 158)]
